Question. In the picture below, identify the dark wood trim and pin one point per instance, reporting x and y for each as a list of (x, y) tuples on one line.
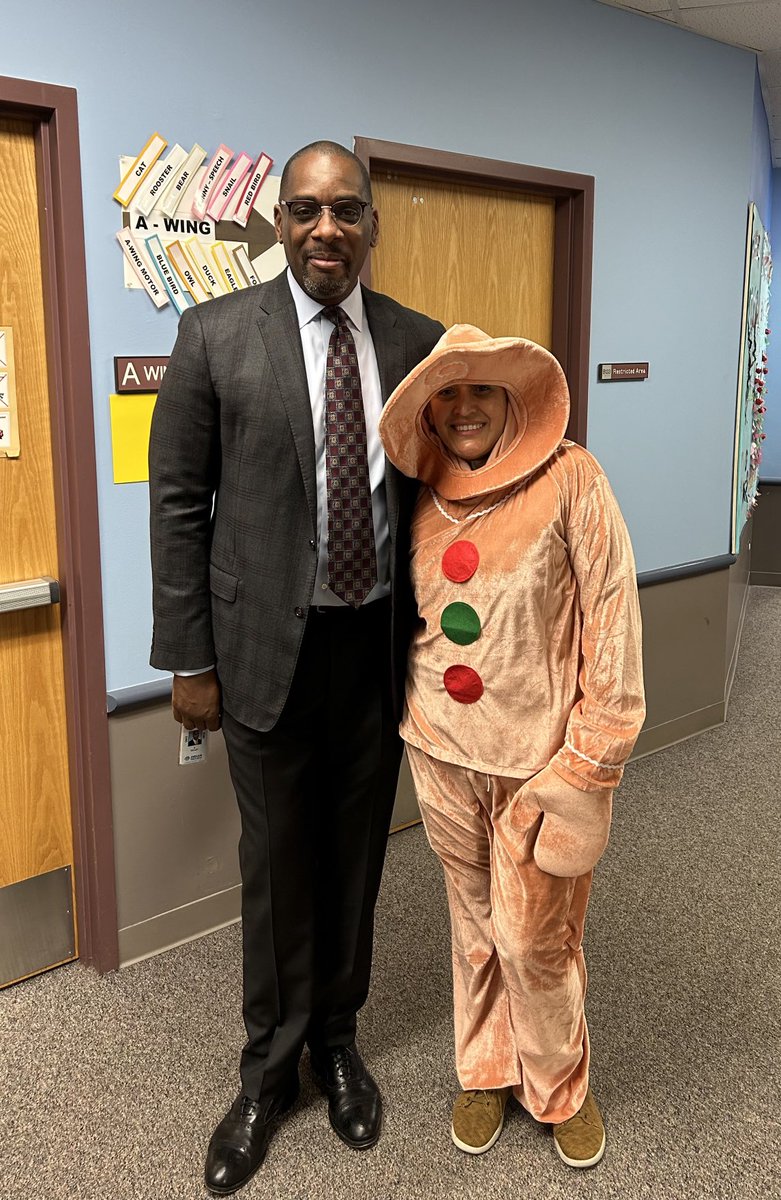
[(573, 241), (54, 113)]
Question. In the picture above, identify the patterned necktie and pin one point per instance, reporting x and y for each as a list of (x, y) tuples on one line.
[(352, 564)]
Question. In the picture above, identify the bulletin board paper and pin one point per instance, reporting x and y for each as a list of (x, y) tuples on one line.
[(270, 263), (168, 226), (171, 222), (751, 374), (9, 426), (267, 197), (131, 420)]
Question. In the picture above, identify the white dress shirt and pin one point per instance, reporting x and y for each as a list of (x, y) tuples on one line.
[(316, 331)]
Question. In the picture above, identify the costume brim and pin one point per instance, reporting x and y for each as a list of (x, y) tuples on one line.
[(526, 370)]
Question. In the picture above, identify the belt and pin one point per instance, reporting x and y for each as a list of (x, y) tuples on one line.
[(343, 611)]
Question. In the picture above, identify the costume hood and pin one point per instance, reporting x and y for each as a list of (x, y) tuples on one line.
[(537, 394)]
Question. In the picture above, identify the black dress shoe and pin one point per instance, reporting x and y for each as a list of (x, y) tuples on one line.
[(354, 1104), (240, 1141)]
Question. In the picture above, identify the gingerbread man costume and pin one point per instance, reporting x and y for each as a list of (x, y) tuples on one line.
[(524, 699)]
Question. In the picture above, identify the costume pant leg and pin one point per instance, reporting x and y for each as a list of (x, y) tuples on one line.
[(518, 969), (537, 922), (459, 830), (315, 796)]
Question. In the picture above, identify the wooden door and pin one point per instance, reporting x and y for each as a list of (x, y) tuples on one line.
[(37, 926), (465, 253)]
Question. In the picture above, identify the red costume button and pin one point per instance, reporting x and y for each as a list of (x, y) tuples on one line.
[(459, 562), (463, 684)]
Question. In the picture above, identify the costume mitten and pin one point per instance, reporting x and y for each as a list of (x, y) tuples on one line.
[(575, 825)]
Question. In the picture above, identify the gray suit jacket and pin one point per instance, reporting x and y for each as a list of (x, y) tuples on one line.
[(233, 495)]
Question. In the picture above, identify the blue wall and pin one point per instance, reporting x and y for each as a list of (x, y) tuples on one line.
[(761, 187), (662, 118)]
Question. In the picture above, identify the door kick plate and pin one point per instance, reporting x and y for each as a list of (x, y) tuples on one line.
[(36, 924)]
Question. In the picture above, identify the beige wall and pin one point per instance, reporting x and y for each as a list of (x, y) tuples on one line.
[(176, 829), (691, 629), (176, 833), (766, 548)]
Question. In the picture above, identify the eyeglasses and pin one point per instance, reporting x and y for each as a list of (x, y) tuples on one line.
[(308, 212)]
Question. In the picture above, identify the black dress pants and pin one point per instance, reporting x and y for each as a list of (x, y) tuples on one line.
[(315, 794)]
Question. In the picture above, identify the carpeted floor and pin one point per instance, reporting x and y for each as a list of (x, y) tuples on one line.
[(110, 1087)]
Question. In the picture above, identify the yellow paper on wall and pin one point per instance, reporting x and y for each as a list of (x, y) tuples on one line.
[(131, 419)]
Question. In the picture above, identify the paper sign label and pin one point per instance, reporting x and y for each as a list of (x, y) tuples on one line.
[(245, 266), (214, 171), (140, 169), (169, 228), (135, 256), (162, 175), (230, 184), (174, 193), (177, 255), (250, 195), (222, 259), (204, 267), (166, 272)]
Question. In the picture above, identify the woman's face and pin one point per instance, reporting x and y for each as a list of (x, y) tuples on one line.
[(469, 418)]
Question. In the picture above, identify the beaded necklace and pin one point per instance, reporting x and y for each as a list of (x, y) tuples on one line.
[(473, 516)]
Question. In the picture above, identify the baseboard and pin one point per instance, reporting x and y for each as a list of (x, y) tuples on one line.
[(659, 737), (766, 578), (179, 925), (733, 663), (406, 825)]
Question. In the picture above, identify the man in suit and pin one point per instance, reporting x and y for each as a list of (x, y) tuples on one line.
[(280, 545)]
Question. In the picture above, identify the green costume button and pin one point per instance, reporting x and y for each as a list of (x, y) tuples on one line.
[(460, 623)]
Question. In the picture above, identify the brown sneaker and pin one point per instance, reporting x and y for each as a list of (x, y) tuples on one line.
[(478, 1117), (580, 1141)]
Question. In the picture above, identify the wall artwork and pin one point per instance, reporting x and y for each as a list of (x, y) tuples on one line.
[(9, 428), (752, 372), (196, 225)]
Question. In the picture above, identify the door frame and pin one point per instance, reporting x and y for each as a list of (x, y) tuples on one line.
[(54, 114), (573, 196)]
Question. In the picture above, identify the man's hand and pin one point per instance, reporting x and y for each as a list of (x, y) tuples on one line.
[(196, 700)]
